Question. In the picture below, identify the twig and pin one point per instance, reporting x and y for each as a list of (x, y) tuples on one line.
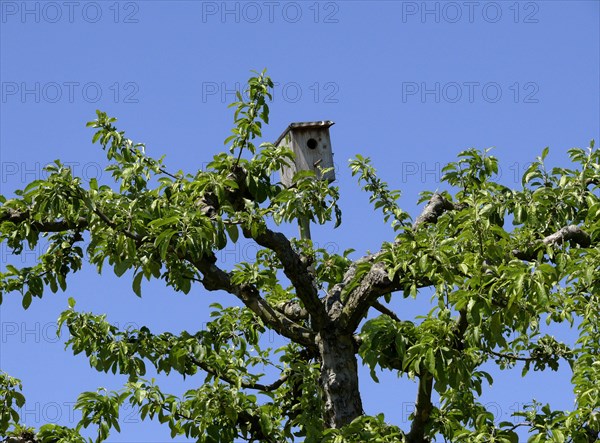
[(247, 385), (386, 311)]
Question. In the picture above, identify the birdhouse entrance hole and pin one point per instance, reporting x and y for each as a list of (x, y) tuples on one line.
[(311, 143)]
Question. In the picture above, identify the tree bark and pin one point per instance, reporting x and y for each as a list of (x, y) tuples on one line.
[(339, 379), (423, 408)]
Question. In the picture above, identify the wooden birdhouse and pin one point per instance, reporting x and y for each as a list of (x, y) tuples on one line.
[(311, 145)]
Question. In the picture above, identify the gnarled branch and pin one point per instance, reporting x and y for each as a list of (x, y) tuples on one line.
[(217, 279), (373, 285), (571, 233), (376, 282), (435, 207), (296, 270), (293, 310)]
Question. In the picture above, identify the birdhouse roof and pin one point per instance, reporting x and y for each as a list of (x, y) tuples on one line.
[(304, 125)]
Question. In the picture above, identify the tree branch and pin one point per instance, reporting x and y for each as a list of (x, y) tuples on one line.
[(114, 226), (295, 269), (509, 356), (373, 285), (247, 385), (293, 310), (376, 282), (386, 311), (17, 217), (435, 207), (572, 234), (423, 408), (217, 279), (214, 278)]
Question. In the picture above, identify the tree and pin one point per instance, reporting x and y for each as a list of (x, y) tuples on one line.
[(491, 288)]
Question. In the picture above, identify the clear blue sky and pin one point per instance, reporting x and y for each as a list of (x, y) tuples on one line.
[(409, 84)]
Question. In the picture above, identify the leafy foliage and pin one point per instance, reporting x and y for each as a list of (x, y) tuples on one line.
[(11, 400), (492, 289)]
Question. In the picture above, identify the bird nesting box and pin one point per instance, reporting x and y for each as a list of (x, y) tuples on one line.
[(311, 145)]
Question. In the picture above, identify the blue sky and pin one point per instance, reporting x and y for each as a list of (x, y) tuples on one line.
[(409, 84)]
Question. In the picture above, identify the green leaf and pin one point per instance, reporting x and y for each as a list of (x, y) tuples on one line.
[(33, 185), (121, 267), (26, 301), (137, 282), (164, 221), (233, 232)]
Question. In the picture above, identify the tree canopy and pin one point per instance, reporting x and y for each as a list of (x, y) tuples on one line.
[(496, 262)]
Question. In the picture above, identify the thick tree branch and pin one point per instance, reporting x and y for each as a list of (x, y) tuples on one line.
[(423, 408), (296, 270), (377, 282), (217, 279), (16, 217), (572, 234), (293, 310), (436, 206), (25, 437), (373, 285)]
